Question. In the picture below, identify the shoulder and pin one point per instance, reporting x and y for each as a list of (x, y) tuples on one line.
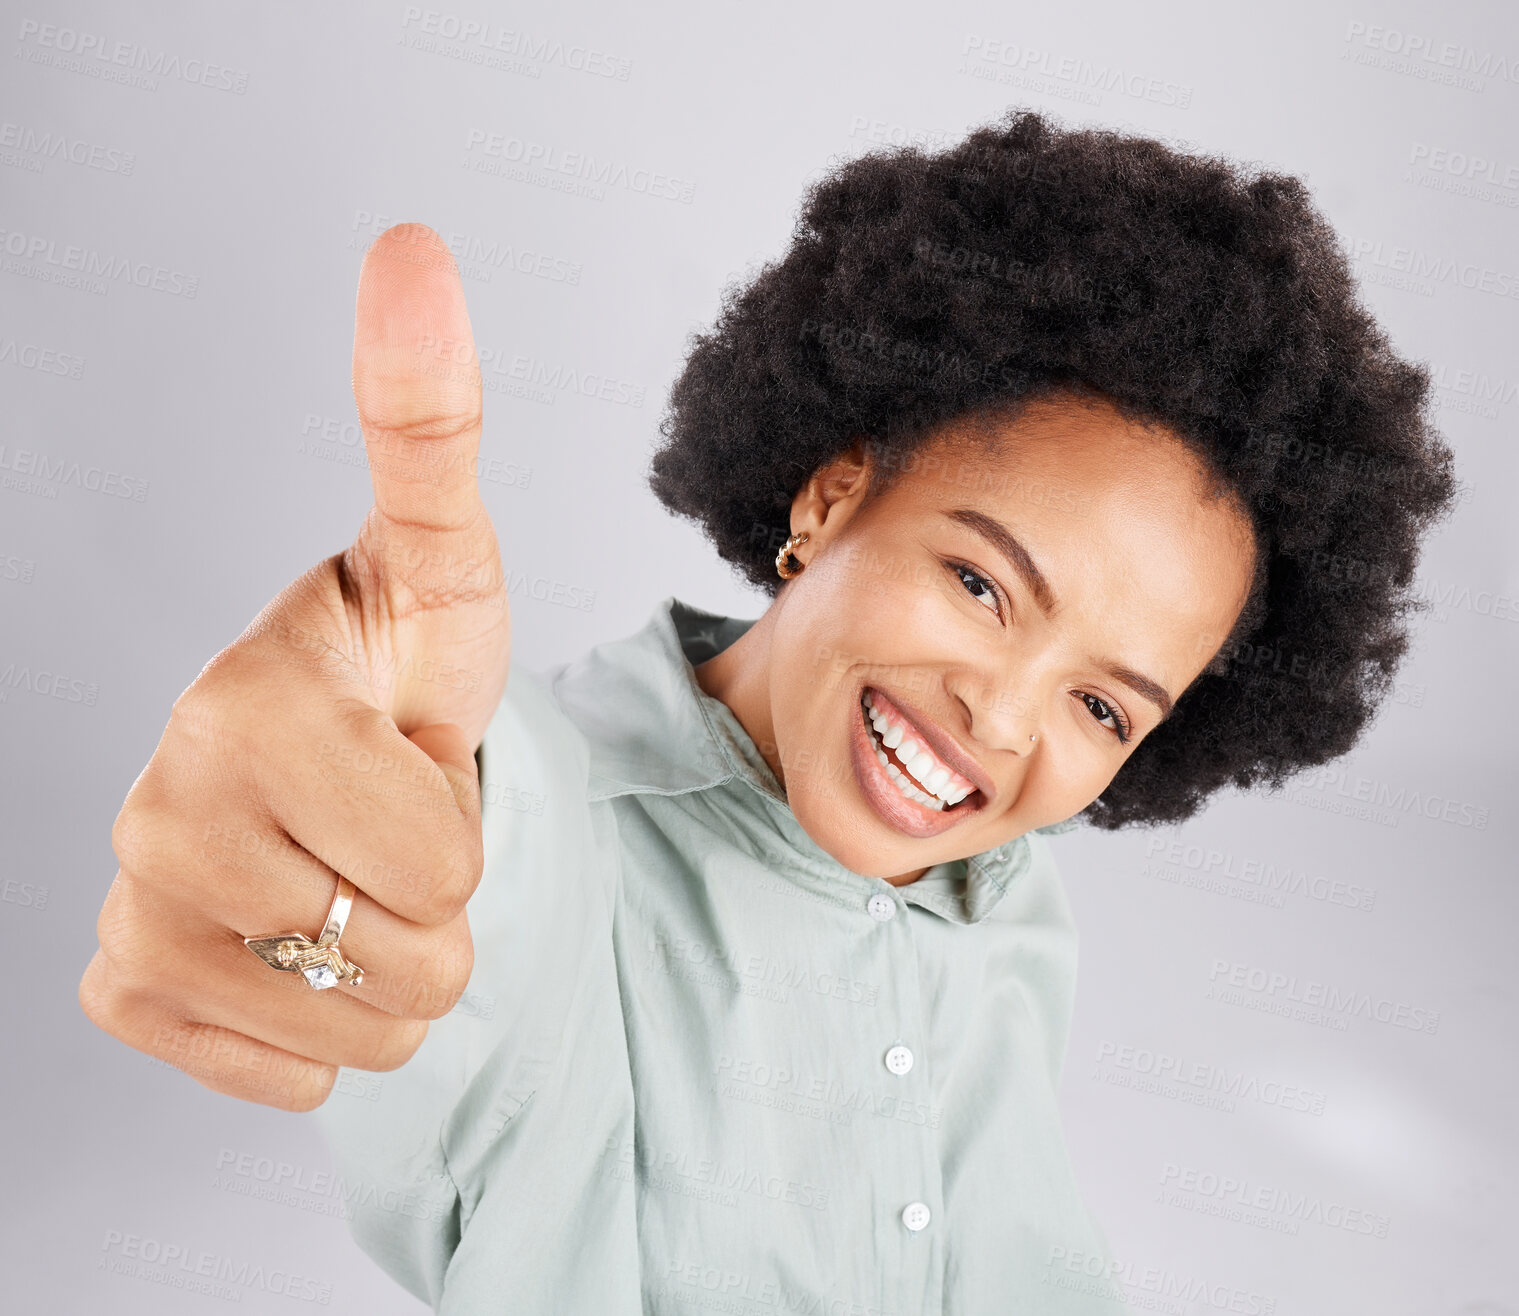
[(531, 739), (1028, 869), (538, 815)]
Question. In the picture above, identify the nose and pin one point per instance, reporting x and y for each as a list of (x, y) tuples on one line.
[(1004, 714)]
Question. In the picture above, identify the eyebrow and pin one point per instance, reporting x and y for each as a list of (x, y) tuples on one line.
[(1006, 543)]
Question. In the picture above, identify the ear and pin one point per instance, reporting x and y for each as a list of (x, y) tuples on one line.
[(833, 493)]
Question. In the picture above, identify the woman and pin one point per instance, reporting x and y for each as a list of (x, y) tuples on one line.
[(1083, 487)]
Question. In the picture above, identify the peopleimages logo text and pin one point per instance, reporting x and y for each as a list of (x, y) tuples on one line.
[(1419, 48), (101, 50), (96, 264)]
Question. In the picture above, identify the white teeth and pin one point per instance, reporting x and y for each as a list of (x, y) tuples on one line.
[(921, 764), (904, 785)]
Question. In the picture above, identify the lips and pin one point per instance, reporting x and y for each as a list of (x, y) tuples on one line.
[(938, 740), (887, 802)]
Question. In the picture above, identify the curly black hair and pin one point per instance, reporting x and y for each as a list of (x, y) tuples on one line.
[(1032, 260)]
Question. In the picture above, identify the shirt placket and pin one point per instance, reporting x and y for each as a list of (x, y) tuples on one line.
[(895, 1059)]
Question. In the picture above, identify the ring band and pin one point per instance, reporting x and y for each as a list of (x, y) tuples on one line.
[(320, 962)]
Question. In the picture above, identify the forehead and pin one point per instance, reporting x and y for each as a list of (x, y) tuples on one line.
[(1074, 447)]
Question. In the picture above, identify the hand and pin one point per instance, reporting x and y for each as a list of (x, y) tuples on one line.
[(336, 735)]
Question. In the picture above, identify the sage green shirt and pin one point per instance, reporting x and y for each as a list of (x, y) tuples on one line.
[(703, 1067)]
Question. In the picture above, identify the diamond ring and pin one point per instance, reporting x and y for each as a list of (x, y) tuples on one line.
[(320, 961)]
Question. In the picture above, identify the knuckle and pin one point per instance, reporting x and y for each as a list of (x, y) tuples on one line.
[(227, 708), (123, 936), (129, 834), (391, 1047), (309, 1092), (164, 803), (140, 834), (445, 968), (456, 861), (402, 427), (101, 998), (140, 1021), (436, 906), (226, 1060), (363, 725), (200, 712), (472, 858), (444, 898)]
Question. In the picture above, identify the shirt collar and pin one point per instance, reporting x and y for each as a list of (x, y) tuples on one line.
[(650, 727)]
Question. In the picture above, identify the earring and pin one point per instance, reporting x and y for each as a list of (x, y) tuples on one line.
[(792, 541)]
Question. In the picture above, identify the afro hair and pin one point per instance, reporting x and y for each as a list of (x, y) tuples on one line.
[(1031, 260)]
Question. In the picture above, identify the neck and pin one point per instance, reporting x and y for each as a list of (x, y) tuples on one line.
[(740, 677)]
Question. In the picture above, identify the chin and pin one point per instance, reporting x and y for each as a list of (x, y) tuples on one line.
[(846, 828)]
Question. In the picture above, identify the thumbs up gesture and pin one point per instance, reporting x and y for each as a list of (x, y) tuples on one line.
[(334, 738)]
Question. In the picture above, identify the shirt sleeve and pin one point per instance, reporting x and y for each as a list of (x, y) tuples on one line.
[(406, 1142)]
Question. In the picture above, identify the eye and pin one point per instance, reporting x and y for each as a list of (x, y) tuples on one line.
[(1108, 716), (979, 587)]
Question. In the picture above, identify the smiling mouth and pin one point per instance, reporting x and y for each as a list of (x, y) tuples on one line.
[(912, 767)]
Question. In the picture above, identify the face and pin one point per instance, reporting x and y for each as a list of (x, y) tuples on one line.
[(1019, 618)]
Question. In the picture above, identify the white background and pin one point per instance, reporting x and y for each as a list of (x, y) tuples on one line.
[(278, 139)]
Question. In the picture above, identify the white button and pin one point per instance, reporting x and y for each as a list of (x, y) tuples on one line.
[(915, 1216), (881, 906), (899, 1060)]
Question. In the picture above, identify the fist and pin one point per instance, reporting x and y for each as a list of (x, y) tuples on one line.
[(336, 736)]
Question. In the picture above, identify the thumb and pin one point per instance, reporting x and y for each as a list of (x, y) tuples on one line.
[(424, 577), (416, 380)]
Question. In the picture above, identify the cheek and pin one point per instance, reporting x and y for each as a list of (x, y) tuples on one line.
[(812, 741), (874, 611), (883, 635), (892, 599)]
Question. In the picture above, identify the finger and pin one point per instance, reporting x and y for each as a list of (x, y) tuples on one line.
[(234, 1064), (221, 982), (423, 583), (368, 803), (446, 745), (410, 971), (218, 1058), (416, 380), (244, 873), (331, 775), (156, 949)]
